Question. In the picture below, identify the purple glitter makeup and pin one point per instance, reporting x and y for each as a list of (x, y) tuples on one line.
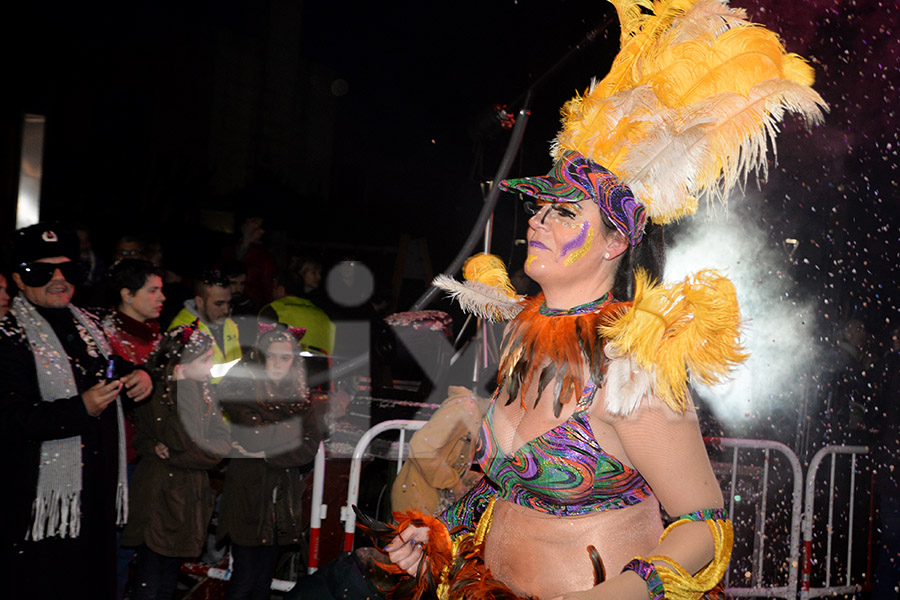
[(578, 241), (538, 245)]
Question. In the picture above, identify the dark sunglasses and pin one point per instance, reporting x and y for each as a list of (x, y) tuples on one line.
[(38, 274)]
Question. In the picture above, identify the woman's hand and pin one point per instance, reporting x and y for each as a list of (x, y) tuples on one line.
[(161, 450), (406, 550), (138, 384)]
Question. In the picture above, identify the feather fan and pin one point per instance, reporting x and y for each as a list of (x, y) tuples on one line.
[(472, 579)]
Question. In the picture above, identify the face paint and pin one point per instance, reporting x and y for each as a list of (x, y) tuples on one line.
[(529, 259), (579, 246), (537, 244)]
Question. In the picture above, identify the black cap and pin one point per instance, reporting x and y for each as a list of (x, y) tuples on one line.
[(45, 240)]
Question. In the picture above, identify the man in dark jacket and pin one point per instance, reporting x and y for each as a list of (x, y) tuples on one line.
[(64, 488)]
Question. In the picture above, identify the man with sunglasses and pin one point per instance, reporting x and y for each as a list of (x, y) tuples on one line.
[(64, 489)]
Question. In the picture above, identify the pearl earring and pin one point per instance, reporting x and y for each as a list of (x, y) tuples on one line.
[(606, 256)]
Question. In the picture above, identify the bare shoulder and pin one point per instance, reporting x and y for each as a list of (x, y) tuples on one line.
[(650, 409), (651, 424)]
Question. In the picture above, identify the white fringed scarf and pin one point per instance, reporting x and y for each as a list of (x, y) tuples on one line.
[(57, 503)]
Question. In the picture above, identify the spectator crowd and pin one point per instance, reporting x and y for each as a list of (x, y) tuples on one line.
[(140, 400)]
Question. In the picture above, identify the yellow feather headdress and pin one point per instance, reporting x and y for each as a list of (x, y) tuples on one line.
[(690, 105)]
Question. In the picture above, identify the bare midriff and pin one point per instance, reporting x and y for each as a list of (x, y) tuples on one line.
[(542, 555)]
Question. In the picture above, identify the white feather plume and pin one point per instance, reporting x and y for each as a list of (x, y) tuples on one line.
[(712, 17), (627, 384), (690, 105), (662, 170), (671, 165), (480, 299)]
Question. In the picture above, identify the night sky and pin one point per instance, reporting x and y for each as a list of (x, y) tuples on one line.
[(407, 138)]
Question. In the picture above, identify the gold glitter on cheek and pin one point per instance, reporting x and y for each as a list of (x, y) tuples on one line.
[(575, 255)]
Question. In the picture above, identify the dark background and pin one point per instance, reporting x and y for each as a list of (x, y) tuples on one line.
[(352, 125), (356, 125)]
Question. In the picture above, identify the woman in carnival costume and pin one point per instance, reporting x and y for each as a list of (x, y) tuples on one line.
[(592, 430)]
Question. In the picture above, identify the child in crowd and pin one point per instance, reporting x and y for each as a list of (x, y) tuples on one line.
[(180, 435), (277, 433)]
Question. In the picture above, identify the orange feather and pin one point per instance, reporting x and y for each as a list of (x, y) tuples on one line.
[(569, 343)]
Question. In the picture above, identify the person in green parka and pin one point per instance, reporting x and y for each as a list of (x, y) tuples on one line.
[(276, 430), (180, 436)]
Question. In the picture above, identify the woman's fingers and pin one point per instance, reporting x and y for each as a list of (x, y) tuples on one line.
[(407, 557), (410, 535), (411, 563), (406, 550), (400, 551)]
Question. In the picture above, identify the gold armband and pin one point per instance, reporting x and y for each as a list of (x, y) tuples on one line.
[(678, 584)]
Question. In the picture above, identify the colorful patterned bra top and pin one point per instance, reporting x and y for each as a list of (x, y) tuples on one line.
[(562, 472)]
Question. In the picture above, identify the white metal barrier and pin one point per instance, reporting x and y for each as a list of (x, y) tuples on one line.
[(761, 552), (318, 511), (347, 514), (846, 587)]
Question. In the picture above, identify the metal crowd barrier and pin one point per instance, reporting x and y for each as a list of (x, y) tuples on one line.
[(762, 555), (318, 510), (845, 587), (347, 514)]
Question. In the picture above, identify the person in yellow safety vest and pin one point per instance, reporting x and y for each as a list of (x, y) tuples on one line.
[(292, 310), (211, 307)]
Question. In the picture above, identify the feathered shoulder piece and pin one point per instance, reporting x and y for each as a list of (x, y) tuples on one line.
[(668, 333), (541, 349), (487, 291), (690, 105)]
